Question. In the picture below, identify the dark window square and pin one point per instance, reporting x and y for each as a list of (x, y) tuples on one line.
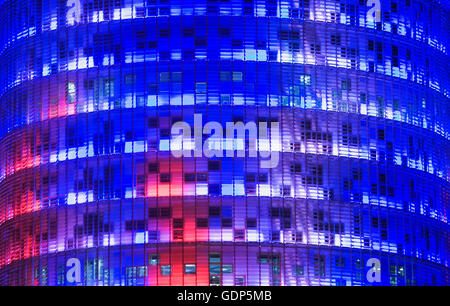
[(251, 223), (164, 177), (153, 168), (214, 165), (202, 222)]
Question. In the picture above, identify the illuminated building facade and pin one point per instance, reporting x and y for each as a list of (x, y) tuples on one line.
[(92, 194)]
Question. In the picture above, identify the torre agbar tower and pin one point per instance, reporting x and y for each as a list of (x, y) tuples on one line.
[(352, 188)]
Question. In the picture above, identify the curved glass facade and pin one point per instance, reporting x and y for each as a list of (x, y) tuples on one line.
[(351, 174)]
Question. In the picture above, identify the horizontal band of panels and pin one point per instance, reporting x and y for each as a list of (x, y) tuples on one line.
[(403, 20), (299, 131), (220, 264), (267, 41), (153, 87)]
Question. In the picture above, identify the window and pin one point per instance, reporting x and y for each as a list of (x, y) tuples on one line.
[(394, 7), (296, 168), (214, 211), (202, 177), (251, 223), (164, 133), (319, 265), (153, 122), (225, 99), (237, 76), (153, 259), (214, 258), (177, 76), (299, 270), (189, 177), (189, 32), (263, 258), (214, 264), (129, 136), (200, 87), (153, 168), (136, 225), (263, 178), (346, 85), (164, 177), (395, 62), (340, 261), (108, 87), (236, 43), (202, 222), (193, 177), (214, 165), (163, 212), (224, 31), (130, 79), (70, 92), (136, 272), (273, 56), (178, 223), (190, 269), (250, 178), (166, 270), (164, 77), (227, 269), (315, 49), (201, 42), (227, 223), (61, 275), (153, 235), (239, 235), (305, 80), (380, 134), (225, 76), (336, 40), (153, 89), (239, 281), (275, 236), (214, 189), (164, 33), (214, 269)]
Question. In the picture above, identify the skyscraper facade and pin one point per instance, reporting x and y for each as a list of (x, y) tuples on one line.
[(224, 142)]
